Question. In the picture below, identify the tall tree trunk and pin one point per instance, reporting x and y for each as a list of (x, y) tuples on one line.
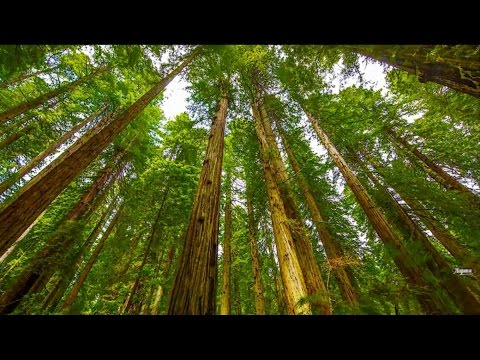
[(433, 169), (194, 289), (146, 255), (54, 297), (460, 74), (6, 184), (412, 272), (32, 104), (41, 264), (332, 248), (25, 77), (67, 305), (18, 133), (290, 269), (227, 238), (38, 194), (277, 283), (460, 293), (318, 295), (260, 307)]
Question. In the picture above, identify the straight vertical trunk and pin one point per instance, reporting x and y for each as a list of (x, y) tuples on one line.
[(6, 184), (332, 247), (412, 272), (227, 238), (460, 74), (290, 269), (319, 298), (260, 307), (39, 193), (67, 305), (32, 104), (194, 289)]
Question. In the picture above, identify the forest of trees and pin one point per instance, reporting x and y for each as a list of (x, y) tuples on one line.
[(279, 191)]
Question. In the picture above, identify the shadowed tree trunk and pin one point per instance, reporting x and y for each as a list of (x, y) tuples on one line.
[(41, 265), (38, 194), (412, 272), (32, 104), (67, 305), (194, 289), (444, 68), (25, 77), (227, 238), (260, 307)]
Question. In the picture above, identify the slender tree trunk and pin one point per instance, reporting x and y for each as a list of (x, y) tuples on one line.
[(433, 169), (32, 104), (54, 297), (38, 194), (146, 255), (18, 134), (227, 238), (25, 77), (260, 307), (155, 309), (42, 264), (318, 295), (6, 184), (332, 247), (195, 284), (460, 74), (67, 305), (279, 294), (412, 272), (460, 293), (290, 269), (451, 244)]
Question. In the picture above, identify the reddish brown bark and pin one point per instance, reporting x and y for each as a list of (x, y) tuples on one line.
[(227, 238), (194, 289), (38, 194)]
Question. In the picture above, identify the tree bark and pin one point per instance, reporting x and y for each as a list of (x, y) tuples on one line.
[(67, 305), (318, 295), (412, 272), (38, 194), (25, 77), (290, 269), (41, 264), (260, 307), (32, 104), (460, 74), (227, 238), (6, 184), (194, 289)]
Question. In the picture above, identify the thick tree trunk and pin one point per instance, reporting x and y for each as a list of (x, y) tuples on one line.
[(32, 104), (67, 305), (290, 269), (318, 295), (41, 264), (38, 194), (6, 184), (194, 289), (332, 248), (260, 307), (412, 272), (460, 74), (227, 238)]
